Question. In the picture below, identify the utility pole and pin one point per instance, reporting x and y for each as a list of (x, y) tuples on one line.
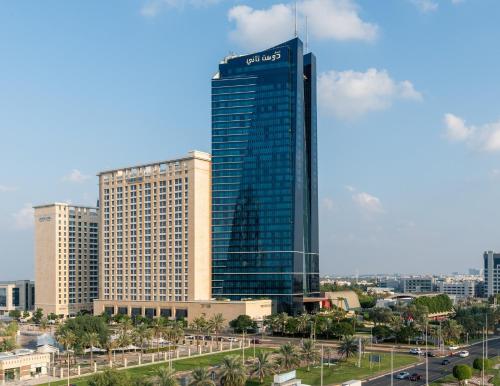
[(359, 352)]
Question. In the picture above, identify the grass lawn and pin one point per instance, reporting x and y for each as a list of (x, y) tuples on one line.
[(346, 371), (179, 365)]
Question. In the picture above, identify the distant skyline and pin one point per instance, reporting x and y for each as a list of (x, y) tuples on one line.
[(409, 125)]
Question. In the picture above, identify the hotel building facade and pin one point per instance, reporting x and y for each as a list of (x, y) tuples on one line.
[(264, 177), (66, 258), (155, 237)]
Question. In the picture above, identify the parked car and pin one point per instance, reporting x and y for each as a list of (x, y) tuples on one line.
[(415, 377), (463, 354), (189, 337), (403, 375), (231, 339), (454, 347), (416, 351), (255, 340), (445, 362)]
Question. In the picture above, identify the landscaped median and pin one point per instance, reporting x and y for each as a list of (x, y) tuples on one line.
[(348, 370), (333, 374)]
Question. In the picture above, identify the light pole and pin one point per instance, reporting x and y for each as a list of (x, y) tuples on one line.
[(426, 355), (392, 366), (321, 368)]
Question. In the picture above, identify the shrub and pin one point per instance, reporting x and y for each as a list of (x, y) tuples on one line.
[(462, 373), (478, 364)]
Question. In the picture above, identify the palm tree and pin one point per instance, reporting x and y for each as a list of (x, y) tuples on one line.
[(123, 341), (141, 335), (287, 355), (109, 344), (91, 340), (263, 366), (232, 371), (217, 323), (302, 323), (282, 320), (309, 353), (158, 328), (201, 377), (166, 377), (200, 325), (348, 347), (67, 338)]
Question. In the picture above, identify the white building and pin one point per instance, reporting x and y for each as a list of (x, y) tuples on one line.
[(16, 295)]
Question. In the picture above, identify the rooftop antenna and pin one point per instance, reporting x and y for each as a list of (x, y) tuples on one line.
[(307, 37), (296, 18)]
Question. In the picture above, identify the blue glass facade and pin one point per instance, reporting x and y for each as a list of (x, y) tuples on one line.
[(264, 177)]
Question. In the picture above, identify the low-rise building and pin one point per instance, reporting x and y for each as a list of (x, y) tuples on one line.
[(418, 284), (23, 366), (16, 295), (461, 289), (188, 310)]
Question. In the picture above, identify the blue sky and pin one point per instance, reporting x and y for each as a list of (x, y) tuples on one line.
[(409, 126)]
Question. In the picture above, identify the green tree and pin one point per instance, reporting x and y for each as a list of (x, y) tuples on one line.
[(243, 323), (26, 315), (166, 377), (380, 315), (232, 371), (142, 335), (309, 353), (110, 377), (200, 376), (262, 366), (347, 348), (462, 373), (158, 328), (303, 322), (287, 356)]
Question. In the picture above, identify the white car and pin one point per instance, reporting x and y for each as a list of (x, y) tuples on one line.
[(231, 339), (416, 351), (453, 348), (189, 337), (403, 375), (463, 354)]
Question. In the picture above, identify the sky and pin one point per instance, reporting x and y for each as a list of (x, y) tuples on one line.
[(408, 118)]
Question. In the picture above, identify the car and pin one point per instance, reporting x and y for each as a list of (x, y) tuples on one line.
[(445, 362), (463, 354), (454, 347), (189, 337), (231, 339), (415, 377), (403, 375), (430, 354), (416, 351), (255, 340)]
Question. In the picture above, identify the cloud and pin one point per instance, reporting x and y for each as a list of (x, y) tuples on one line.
[(328, 203), (425, 5), (76, 176), (5, 188), (368, 203), (23, 218), (328, 19), (485, 137), (456, 130), (154, 7), (351, 94), (336, 19)]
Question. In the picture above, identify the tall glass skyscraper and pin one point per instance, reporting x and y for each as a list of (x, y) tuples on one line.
[(264, 177)]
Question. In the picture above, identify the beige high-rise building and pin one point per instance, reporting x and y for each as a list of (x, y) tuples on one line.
[(66, 258), (155, 244)]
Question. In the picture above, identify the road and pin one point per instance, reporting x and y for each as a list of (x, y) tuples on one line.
[(436, 370)]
